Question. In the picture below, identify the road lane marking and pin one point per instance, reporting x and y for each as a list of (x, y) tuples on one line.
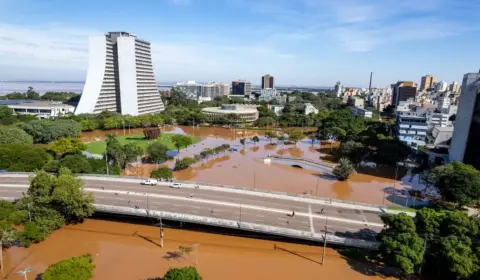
[(312, 230), (205, 201)]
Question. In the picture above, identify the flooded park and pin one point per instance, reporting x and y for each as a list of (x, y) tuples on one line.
[(244, 166)]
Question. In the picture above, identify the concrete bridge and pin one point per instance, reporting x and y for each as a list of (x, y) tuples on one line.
[(347, 223), (304, 163)]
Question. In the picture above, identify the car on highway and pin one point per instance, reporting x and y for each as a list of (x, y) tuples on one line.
[(175, 185), (149, 182)]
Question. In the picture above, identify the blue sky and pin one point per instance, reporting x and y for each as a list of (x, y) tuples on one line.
[(300, 42)]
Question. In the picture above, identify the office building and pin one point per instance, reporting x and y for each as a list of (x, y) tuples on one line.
[(443, 101), (411, 125), (245, 113), (212, 90), (120, 77), (241, 88), (191, 89), (360, 112), (466, 135), (269, 94), (338, 89), (441, 86), (267, 81), (427, 82), (454, 87), (402, 91), (356, 102)]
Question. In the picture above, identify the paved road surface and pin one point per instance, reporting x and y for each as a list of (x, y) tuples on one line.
[(233, 206)]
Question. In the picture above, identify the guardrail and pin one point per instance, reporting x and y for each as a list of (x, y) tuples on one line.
[(290, 233), (90, 176)]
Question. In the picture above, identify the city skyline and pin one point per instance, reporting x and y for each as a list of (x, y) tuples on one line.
[(300, 42)]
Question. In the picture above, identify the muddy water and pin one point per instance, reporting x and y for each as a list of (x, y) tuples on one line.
[(244, 167), (129, 251)]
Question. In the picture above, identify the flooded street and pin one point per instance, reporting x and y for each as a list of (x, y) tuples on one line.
[(245, 167), (131, 251)]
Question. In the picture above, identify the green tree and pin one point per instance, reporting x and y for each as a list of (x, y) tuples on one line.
[(89, 125), (270, 135), (60, 96), (5, 111), (157, 152), (181, 164), (401, 246), (344, 169), (75, 268), (354, 151), (255, 140), (457, 182), (180, 141), (131, 151), (295, 135), (242, 141), (76, 163), (7, 237), (32, 94), (22, 158), (185, 273), (45, 131), (265, 121), (63, 146), (162, 173), (13, 135), (52, 166)]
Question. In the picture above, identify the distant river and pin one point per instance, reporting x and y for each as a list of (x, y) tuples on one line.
[(42, 87)]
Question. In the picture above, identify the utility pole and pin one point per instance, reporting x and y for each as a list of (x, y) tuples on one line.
[(161, 231), (325, 241)]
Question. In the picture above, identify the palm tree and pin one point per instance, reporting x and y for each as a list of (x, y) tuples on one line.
[(255, 140), (242, 141)]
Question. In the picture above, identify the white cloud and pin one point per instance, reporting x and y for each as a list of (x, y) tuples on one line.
[(57, 53)]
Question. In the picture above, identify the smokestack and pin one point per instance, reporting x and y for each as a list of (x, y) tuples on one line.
[(370, 85)]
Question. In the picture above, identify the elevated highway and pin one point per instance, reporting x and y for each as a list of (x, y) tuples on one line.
[(271, 213)]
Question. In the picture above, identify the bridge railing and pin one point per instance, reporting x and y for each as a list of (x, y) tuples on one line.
[(303, 159), (290, 233), (246, 189)]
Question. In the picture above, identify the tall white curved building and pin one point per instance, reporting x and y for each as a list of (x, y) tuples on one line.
[(120, 77)]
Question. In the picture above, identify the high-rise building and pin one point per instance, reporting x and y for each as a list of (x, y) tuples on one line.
[(441, 86), (454, 87), (267, 81), (338, 89), (191, 89), (466, 135), (120, 77), (427, 82), (242, 88), (402, 91)]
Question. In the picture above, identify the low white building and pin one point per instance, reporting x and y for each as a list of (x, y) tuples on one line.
[(277, 109), (308, 108), (360, 112), (43, 109)]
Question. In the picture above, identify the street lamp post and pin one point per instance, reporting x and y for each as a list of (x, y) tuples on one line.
[(325, 241), (106, 158), (24, 272)]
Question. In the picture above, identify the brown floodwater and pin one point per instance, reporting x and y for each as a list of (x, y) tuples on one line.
[(130, 251), (245, 167)]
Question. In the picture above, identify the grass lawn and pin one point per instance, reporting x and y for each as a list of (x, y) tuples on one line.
[(98, 147)]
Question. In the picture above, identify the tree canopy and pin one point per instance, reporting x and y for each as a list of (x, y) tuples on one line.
[(181, 141), (457, 182), (64, 146), (185, 273), (45, 131), (75, 268), (13, 135)]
